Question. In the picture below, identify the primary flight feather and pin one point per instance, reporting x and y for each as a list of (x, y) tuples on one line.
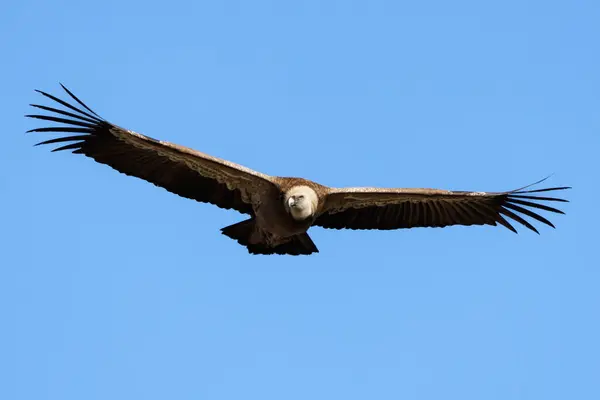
[(281, 210)]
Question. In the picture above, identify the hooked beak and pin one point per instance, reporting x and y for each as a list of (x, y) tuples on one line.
[(291, 202)]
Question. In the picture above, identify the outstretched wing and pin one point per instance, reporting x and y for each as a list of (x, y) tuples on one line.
[(373, 208), (180, 170)]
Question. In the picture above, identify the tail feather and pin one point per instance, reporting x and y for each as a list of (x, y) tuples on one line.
[(240, 232), (246, 234)]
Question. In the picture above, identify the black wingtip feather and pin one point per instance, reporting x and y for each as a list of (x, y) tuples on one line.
[(63, 139), (535, 205), (531, 184), (68, 147), (517, 201), (77, 100), (518, 218), (60, 120), (541, 190), (61, 129), (538, 198), (64, 103), (502, 221), (69, 114), (82, 125), (529, 213)]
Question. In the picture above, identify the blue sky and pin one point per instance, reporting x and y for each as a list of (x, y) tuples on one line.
[(111, 288)]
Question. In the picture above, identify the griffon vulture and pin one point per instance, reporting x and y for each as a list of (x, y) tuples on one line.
[(280, 210)]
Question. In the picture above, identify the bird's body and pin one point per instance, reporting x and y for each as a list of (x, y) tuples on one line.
[(274, 225), (273, 216), (281, 210)]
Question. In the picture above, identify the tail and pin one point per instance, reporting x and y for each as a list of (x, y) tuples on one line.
[(246, 234)]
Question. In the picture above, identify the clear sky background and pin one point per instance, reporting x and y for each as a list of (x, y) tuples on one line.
[(111, 288)]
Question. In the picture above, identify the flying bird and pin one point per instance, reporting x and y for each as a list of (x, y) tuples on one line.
[(280, 210)]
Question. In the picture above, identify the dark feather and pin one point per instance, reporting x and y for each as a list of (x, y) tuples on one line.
[(536, 205), (63, 139), (62, 120), (517, 218), (542, 190), (538, 198), (529, 213), (63, 112), (77, 100), (434, 208), (101, 144), (500, 219), (64, 103), (69, 146), (62, 129)]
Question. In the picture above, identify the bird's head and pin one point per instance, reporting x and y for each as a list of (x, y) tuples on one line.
[(301, 202)]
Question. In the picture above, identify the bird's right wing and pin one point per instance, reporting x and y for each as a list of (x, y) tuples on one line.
[(374, 208), (180, 170)]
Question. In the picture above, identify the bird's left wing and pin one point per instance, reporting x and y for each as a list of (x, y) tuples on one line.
[(178, 169), (374, 208)]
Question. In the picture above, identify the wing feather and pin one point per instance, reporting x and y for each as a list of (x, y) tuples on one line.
[(180, 170), (374, 208)]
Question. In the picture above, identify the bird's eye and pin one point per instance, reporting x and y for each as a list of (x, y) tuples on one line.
[(301, 197)]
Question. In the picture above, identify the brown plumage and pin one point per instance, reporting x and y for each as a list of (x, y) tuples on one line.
[(281, 210)]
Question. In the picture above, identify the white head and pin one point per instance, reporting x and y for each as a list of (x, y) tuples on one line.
[(301, 202)]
